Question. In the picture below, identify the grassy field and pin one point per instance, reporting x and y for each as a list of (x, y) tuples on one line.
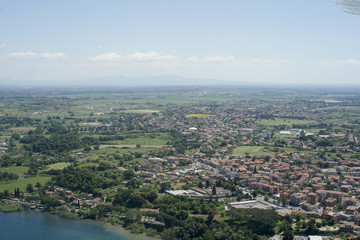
[(283, 137), (22, 183), (199, 115), (284, 121), (288, 149), (252, 151), (191, 152), (159, 139), (17, 170), (89, 164), (91, 124), (10, 208), (58, 166), (144, 111), (130, 146), (112, 150), (22, 129)]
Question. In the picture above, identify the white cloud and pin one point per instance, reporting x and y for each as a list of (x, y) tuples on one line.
[(151, 56), (53, 55), (349, 61), (192, 59), (37, 55), (23, 54), (144, 56), (218, 59), (137, 56), (106, 57), (2, 45), (267, 61)]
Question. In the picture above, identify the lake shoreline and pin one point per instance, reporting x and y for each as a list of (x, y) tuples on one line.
[(115, 228)]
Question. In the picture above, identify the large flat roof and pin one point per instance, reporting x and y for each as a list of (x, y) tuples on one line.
[(252, 204)]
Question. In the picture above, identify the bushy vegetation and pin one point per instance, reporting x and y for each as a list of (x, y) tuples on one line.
[(5, 176), (83, 179)]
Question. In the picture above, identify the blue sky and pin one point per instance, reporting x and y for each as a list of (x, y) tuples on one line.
[(277, 41)]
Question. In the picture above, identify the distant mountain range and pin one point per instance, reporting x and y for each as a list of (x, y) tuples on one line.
[(155, 81), (121, 81)]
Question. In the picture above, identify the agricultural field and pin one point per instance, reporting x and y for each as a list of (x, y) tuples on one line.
[(58, 166), (20, 170), (22, 129), (138, 143), (156, 139), (22, 183), (199, 115), (140, 111), (252, 151), (284, 121)]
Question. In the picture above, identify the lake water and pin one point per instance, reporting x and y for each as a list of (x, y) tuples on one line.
[(30, 225)]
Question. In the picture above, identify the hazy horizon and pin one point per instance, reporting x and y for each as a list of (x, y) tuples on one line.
[(239, 42)]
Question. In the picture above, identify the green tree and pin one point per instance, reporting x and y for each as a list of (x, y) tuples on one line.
[(164, 186), (87, 149), (134, 183), (29, 188), (266, 198), (182, 215), (135, 200), (129, 174), (122, 196), (288, 233), (214, 190), (17, 192), (298, 216), (311, 228), (208, 183), (6, 193), (134, 214)]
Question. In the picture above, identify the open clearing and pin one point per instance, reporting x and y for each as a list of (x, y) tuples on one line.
[(252, 151), (91, 123), (147, 111), (58, 166), (199, 115), (22, 183), (112, 150), (159, 139), (22, 129), (20, 171), (284, 121), (130, 146)]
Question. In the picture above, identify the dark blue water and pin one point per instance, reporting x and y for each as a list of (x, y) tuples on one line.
[(30, 225)]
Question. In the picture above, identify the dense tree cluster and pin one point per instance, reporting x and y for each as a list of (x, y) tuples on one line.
[(83, 179), (54, 143), (258, 221), (5, 176)]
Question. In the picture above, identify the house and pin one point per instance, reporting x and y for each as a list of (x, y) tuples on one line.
[(349, 202), (345, 188), (313, 198), (297, 198), (346, 227), (314, 238), (331, 202), (351, 210)]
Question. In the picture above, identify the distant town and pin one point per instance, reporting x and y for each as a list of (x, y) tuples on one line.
[(159, 160)]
